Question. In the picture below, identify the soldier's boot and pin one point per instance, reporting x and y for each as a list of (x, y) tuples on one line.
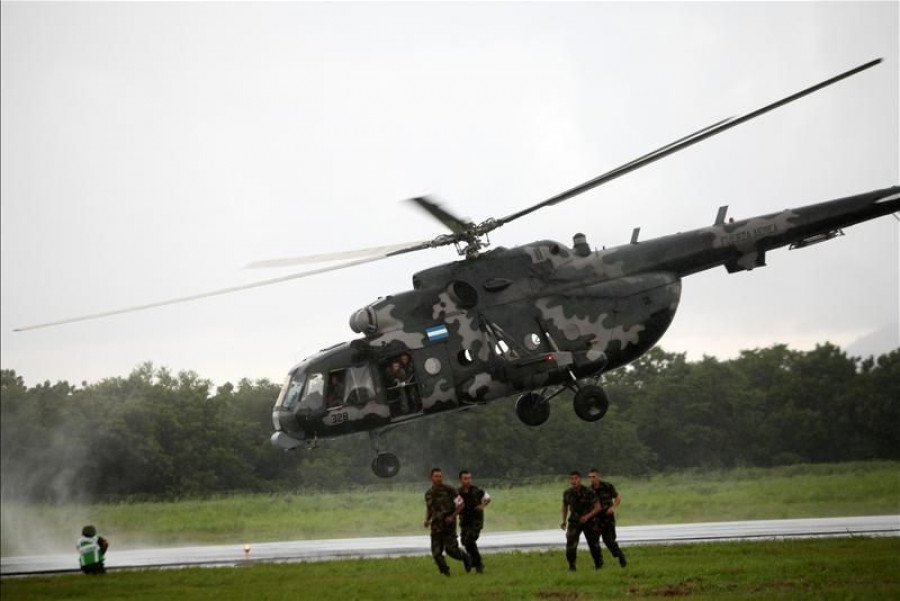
[(570, 557), (467, 562), (616, 551), (443, 568), (475, 555), (597, 556), (477, 562)]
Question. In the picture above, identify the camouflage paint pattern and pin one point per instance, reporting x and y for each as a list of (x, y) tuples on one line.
[(519, 319)]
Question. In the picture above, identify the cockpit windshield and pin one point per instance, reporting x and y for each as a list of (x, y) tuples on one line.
[(302, 391), (290, 392)]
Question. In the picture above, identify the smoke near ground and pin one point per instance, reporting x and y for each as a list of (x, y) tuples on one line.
[(152, 434), (159, 435), (41, 464)]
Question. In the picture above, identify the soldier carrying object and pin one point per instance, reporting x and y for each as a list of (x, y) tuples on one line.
[(580, 505), (91, 551), (406, 366), (395, 378), (471, 520), (396, 374), (442, 505), (335, 396), (605, 523)]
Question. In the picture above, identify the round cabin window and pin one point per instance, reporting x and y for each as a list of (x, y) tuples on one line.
[(432, 366)]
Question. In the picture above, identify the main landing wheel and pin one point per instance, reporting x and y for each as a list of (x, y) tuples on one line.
[(385, 465), (532, 409), (591, 403)]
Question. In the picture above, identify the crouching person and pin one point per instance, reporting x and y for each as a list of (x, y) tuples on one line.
[(91, 551)]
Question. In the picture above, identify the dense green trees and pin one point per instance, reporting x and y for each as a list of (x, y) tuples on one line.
[(158, 433)]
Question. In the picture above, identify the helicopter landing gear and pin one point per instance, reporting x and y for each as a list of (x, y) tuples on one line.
[(532, 409), (385, 465), (590, 403)]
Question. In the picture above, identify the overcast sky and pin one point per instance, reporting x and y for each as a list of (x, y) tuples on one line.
[(151, 150)]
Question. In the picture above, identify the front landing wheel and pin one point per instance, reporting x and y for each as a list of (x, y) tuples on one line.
[(532, 409), (385, 465), (591, 403)]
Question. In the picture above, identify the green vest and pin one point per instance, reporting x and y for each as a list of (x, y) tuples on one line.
[(89, 552)]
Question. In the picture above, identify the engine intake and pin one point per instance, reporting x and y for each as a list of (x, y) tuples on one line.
[(364, 321)]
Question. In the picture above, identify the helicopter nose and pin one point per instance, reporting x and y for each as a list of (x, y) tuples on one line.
[(280, 440), (288, 434)]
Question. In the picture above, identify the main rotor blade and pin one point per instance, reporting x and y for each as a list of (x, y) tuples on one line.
[(347, 255), (193, 297), (679, 145), (452, 222)]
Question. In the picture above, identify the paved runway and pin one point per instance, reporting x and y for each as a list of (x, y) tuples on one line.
[(392, 546)]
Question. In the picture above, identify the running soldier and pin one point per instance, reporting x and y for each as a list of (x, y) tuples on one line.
[(580, 506), (605, 523), (471, 520), (442, 505)]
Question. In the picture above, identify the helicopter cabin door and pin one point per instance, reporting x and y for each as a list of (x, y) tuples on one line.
[(419, 381)]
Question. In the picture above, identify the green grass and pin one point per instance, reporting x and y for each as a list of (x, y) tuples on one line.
[(858, 568), (869, 488)]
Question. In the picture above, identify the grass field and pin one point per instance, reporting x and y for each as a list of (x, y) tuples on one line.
[(869, 488), (804, 569)]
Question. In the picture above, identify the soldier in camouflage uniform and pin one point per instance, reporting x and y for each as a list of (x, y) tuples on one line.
[(578, 509), (471, 520), (605, 522), (443, 504)]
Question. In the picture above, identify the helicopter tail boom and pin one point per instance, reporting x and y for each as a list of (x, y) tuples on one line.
[(815, 223), (742, 245)]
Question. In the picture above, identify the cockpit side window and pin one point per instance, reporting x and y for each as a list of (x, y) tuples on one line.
[(290, 392), (336, 389), (359, 385), (313, 398)]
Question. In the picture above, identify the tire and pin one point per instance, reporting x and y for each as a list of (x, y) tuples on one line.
[(385, 465), (590, 403), (532, 409)]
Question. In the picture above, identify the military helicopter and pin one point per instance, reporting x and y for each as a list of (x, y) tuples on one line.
[(532, 321)]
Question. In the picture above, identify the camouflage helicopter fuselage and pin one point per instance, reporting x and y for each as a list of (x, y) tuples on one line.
[(534, 316)]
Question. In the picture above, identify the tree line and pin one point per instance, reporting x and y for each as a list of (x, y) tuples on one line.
[(159, 434)]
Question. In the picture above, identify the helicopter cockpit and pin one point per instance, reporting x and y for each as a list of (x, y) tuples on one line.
[(328, 394)]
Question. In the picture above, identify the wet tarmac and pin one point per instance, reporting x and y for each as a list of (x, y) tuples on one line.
[(396, 546)]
